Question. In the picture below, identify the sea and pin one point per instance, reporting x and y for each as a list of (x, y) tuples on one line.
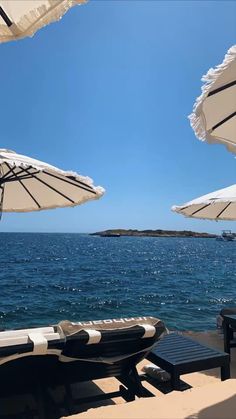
[(46, 278)]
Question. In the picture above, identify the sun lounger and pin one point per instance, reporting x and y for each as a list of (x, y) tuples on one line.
[(15, 344), (76, 352), (110, 348)]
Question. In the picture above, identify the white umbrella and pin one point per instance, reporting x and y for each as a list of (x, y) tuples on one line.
[(20, 18), (218, 205), (214, 113), (31, 185)]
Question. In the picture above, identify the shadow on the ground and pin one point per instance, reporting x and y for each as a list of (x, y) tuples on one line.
[(225, 409), (50, 404)]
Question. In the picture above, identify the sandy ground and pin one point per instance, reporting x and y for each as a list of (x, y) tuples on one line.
[(212, 401), (209, 398)]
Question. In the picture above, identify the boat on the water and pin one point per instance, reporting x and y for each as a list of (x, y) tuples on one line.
[(227, 235)]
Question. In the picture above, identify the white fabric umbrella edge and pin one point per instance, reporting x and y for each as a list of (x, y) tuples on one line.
[(93, 198), (19, 160), (216, 197), (53, 15), (179, 210), (13, 160), (196, 118)]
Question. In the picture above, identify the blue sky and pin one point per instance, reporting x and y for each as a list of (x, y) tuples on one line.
[(106, 92)]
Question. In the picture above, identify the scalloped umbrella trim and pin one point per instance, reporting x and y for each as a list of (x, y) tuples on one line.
[(28, 184), (32, 18), (218, 205), (197, 117)]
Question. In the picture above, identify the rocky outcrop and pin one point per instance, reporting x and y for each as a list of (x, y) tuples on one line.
[(153, 233)]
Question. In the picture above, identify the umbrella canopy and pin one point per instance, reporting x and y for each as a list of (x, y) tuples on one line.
[(218, 205), (20, 18), (31, 185), (214, 113)]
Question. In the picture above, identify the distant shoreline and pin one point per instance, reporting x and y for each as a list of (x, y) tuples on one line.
[(153, 233)]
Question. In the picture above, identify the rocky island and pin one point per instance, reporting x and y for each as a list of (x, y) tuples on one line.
[(152, 233)]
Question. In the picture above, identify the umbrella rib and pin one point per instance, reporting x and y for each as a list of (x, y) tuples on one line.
[(11, 174), (21, 171), (1, 202), (223, 121), (70, 183), (6, 174), (200, 209), (22, 177), (26, 189), (30, 194), (225, 208), (51, 187), (4, 16), (8, 177), (219, 89)]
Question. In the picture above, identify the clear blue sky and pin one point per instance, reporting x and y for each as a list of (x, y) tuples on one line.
[(106, 92)]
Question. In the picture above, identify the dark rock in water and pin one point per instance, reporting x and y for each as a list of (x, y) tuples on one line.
[(152, 233)]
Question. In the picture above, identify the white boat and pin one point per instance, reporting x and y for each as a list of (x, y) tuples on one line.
[(227, 235)]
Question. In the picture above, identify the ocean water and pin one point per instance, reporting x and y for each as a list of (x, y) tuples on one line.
[(46, 278)]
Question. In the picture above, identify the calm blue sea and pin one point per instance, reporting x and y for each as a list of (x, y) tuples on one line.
[(45, 278)]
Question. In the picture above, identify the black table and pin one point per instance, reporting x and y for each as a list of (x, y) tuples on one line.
[(179, 355), (229, 326)]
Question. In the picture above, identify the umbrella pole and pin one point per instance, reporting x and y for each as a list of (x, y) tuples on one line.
[(4, 16)]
